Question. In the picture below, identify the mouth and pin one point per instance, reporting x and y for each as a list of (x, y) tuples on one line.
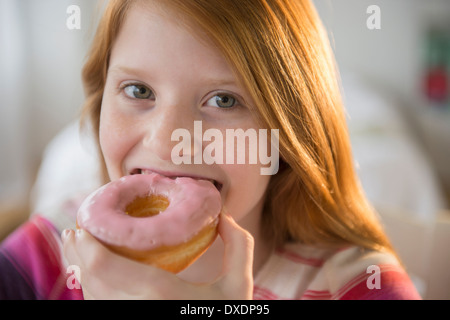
[(216, 183)]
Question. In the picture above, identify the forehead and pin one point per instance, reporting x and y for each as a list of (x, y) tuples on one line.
[(156, 35)]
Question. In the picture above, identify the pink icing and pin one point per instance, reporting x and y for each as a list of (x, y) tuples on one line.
[(193, 205)]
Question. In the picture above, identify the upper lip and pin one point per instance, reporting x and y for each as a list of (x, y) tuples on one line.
[(174, 175)]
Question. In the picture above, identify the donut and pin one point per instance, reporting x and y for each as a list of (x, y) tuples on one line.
[(154, 219)]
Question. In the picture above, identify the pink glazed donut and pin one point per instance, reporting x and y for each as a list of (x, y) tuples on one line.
[(164, 222)]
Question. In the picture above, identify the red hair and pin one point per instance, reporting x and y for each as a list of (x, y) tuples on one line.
[(281, 52)]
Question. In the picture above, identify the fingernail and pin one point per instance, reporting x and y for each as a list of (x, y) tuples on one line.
[(65, 234)]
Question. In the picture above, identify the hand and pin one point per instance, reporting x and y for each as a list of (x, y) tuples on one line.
[(105, 275)]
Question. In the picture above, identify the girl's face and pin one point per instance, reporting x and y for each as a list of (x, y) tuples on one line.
[(162, 77)]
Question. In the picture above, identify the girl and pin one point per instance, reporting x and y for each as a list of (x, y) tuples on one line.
[(306, 232)]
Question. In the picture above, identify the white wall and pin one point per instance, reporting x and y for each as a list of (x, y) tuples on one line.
[(41, 91), (392, 60), (390, 57), (13, 88)]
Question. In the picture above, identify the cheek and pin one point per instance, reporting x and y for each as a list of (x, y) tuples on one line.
[(246, 190), (246, 185), (115, 140)]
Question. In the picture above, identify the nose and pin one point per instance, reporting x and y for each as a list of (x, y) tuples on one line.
[(170, 130)]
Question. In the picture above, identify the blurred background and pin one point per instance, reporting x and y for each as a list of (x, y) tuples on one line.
[(394, 61)]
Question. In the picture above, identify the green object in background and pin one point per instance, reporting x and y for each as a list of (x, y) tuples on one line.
[(437, 63)]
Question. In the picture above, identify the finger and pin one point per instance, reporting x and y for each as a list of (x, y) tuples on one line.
[(238, 256), (72, 259), (238, 244), (81, 249), (104, 270), (69, 249)]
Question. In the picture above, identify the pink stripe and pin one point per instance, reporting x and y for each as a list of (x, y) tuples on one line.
[(394, 284), (362, 277), (316, 295), (294, 257), (260, 293)]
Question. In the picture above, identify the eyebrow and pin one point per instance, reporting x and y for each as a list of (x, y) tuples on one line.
[(220, 82), (124, 69), (228, 81)]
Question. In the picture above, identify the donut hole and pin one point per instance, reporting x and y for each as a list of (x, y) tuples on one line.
[(147, 206)]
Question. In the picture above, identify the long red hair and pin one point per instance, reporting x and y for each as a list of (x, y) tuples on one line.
[(281, 52)]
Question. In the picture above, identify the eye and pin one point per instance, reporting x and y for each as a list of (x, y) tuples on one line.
[(223, 101), (138, 91)]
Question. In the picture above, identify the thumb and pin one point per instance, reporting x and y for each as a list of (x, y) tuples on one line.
[(237, 270)]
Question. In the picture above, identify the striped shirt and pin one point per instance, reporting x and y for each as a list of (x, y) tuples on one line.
[(309, 273), (32, 267)]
